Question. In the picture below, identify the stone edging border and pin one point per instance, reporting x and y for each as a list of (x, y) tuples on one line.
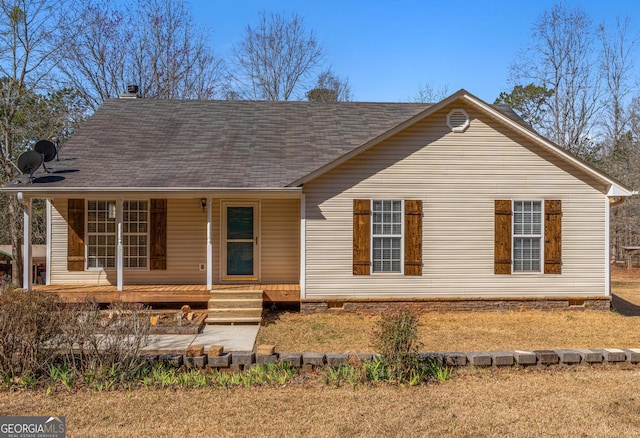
[(240, 360)]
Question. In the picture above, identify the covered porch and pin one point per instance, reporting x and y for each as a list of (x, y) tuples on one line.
[(169, 293)]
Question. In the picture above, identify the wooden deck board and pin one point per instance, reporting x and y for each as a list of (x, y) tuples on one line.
[(158, 293)]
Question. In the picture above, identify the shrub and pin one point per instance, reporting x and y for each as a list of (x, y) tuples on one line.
[(396, 339), (107, 348), (29, 328)]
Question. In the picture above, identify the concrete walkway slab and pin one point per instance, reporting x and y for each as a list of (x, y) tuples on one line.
[(231, 337)]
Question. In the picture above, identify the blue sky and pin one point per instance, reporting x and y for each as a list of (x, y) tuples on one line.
[(389, 49)]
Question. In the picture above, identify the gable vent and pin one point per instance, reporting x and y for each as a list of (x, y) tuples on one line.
[(458, 120)]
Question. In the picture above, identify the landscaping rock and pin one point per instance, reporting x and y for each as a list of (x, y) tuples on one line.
[(591, 356), (293, 359), (525, 358), (195, 350), (455, 359), (633, 355), (569, 357), (265, 350), (261, 359), (216, 350), (613, 355), (242, 357), (315, 359), (221, 361), (174, 360), (199, 361), (437, 358), (478, 359), (547, 357), (502, 358), (365, 357), (335, 360)]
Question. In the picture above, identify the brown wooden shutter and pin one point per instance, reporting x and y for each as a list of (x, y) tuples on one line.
[(552, 237), (412, 237), (502, 237), (75, 233), (361, 237), (158, 237)]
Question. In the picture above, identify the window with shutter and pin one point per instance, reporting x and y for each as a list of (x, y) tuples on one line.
[(384, 231), (528, 236)]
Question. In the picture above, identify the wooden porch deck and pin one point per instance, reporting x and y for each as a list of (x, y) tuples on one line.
[(169, 293)]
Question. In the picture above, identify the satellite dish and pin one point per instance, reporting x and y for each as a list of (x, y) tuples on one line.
[(28, 162), (47, 149)]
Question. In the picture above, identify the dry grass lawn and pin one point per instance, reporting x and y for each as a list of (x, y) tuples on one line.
[(581, 401), (596, 401), (461, 331)]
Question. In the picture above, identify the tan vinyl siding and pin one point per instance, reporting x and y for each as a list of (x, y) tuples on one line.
[(280, 241), (186, 246), (458, 177)]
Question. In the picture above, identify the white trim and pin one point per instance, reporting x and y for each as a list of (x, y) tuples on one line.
[(119, 245), (303, 247), (209, 246), (27, 279), (607, 249), (256, 238), (48, 247)]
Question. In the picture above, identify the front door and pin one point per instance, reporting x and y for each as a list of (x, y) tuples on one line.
[(241, 243)]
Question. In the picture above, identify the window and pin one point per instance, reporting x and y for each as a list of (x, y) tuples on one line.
[(527, 236), (101, 234), (387, 236), (135, 225)]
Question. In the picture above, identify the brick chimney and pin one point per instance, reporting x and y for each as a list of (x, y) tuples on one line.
[(132, 92)]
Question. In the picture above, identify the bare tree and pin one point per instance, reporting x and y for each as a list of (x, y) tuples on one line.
[(618, 49), (330, 88), (561, 58), (275, 58), (153, 44), (429, 94), (30, 43)]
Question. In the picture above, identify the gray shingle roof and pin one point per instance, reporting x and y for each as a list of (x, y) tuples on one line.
[(138, 143), (173, 144)]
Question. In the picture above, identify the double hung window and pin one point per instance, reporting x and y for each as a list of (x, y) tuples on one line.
[(387, 235), (527, 236), (101, 234)]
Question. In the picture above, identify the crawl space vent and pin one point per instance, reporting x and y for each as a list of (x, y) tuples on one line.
[(458, 120)]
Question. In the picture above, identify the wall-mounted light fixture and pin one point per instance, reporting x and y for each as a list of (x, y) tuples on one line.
[(203, 203)]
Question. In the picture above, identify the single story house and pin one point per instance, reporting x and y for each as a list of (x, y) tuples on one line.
[(456, 204)]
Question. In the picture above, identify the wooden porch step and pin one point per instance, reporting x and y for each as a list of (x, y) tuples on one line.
[(230, 303), (234, 307)]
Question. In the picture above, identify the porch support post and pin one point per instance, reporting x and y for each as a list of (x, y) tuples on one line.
[(49, 209), (27, 275), (119, 248), (209, 247), (303, 246)]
